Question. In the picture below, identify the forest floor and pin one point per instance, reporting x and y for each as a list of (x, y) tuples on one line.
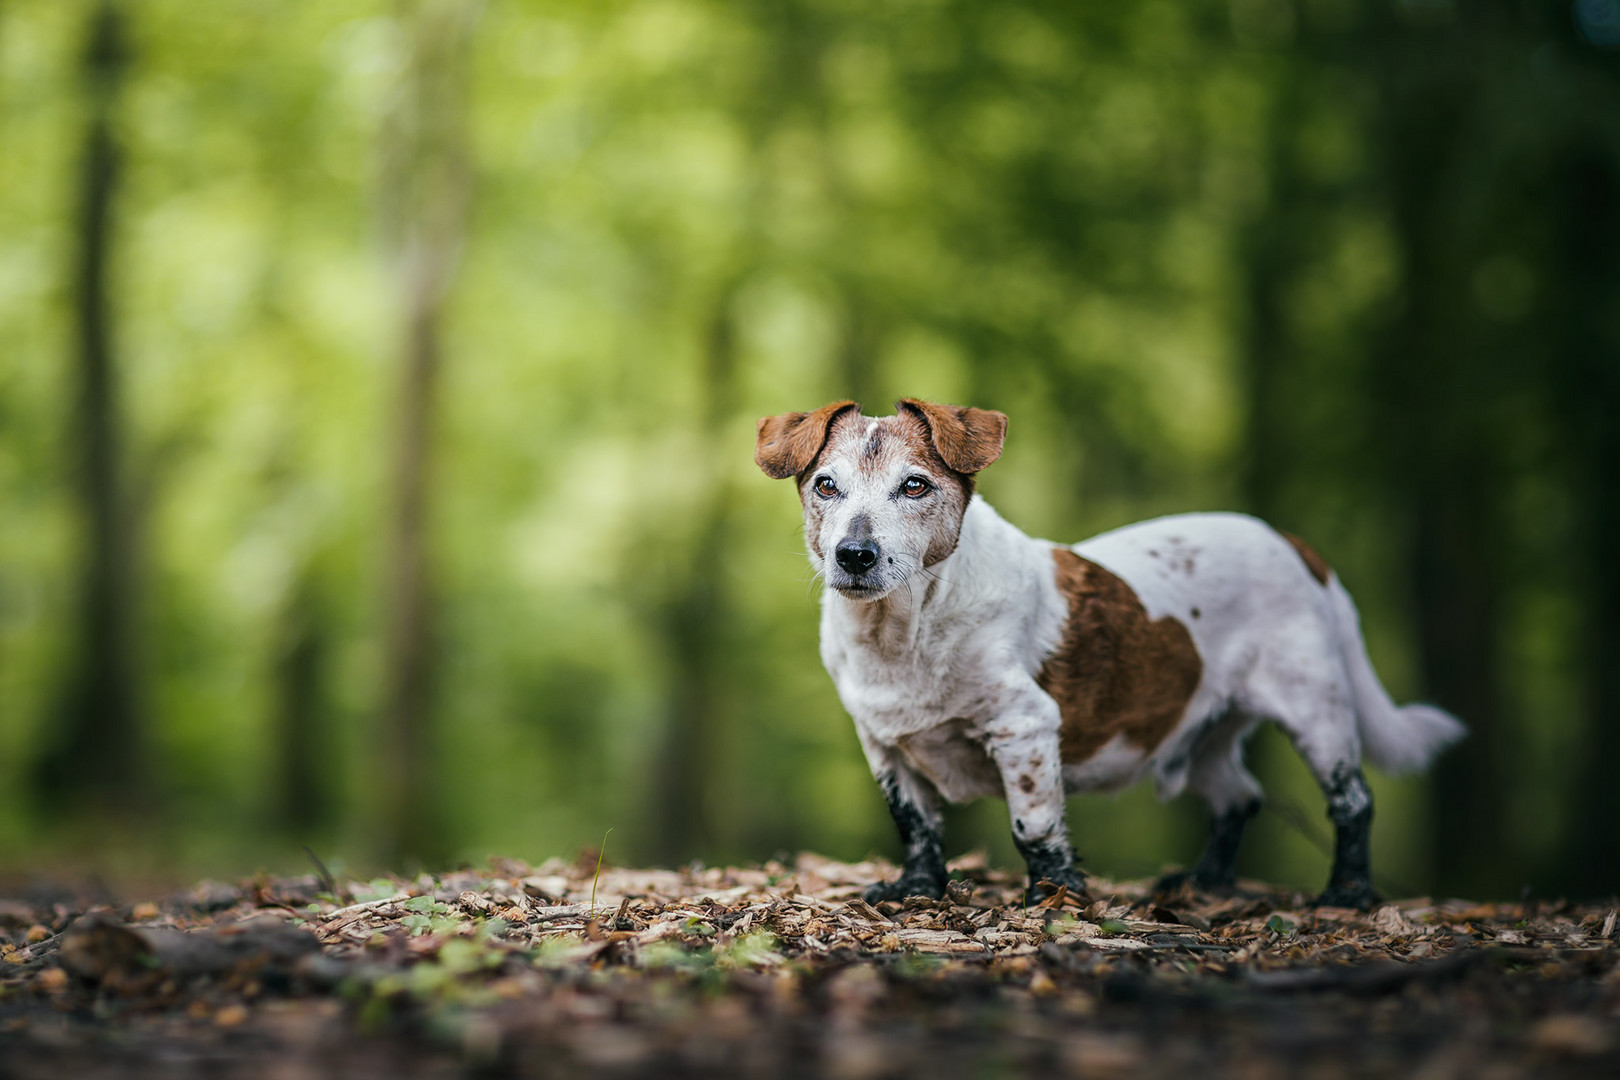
[(784, 971)]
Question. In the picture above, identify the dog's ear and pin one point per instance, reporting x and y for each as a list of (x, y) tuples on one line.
[(786, 445), (967, 439)]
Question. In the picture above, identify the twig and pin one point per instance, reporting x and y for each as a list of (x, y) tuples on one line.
[(328, 882), (1293, 816), (600, 851), (362, 908), (566, 911), (1371, 979)]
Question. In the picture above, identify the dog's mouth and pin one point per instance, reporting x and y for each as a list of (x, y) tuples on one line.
[(860, 590)]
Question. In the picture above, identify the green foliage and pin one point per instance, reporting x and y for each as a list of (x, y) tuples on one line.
[(753, 950), (1168, 239), (375, 889), (1280, 926), (559, 950), (912, 964), (426, 905), (669, 956)]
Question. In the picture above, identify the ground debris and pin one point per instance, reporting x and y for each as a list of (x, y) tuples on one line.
[(784, 970)]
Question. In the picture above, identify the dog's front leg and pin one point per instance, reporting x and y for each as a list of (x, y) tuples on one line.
[(914, 805), (1023, 741)]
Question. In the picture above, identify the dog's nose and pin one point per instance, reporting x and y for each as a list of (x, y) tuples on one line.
[(856, 556)]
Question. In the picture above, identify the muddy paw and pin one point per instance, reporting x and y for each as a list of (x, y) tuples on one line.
[(1358, 895), (1174, 882), (1071, 878), (1192, 879), (908, 885)]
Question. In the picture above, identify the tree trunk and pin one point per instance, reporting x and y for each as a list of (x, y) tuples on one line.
[(99, 758), (1588, 390), (303, 796), (409, 656), (1438, 462), (1454, 574), (425, 195), (693, 624)]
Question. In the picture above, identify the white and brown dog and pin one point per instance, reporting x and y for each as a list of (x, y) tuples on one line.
[(978, 661)]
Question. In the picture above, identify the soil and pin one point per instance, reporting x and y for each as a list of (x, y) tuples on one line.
[(783, 971)]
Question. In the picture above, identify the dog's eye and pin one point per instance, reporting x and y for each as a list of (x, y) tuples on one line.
[(915, 487), (826, 488)]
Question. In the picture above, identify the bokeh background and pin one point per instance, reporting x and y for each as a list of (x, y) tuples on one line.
[(378, 386)]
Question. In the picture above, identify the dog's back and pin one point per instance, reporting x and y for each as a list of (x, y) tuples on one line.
[(1270, 607)]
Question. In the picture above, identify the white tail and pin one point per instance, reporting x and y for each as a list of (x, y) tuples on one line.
[(1396, 738)]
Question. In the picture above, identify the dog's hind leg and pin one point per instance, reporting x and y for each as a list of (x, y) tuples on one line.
[(1351, 808), (1306, 690), (915, 807), (1233, 795)]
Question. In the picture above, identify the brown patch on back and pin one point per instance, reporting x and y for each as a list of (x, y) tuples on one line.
[(1116, 671), (1313, 562)]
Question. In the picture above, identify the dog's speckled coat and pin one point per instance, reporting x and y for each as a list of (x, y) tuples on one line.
[(976, 660)]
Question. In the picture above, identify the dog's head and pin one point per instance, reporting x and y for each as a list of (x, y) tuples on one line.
[(883, 497)]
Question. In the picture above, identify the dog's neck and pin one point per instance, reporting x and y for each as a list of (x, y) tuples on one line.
[(891, 625)]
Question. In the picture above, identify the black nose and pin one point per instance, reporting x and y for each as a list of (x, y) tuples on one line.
[(856, 556)]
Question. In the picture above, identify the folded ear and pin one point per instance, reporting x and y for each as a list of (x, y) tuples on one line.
[(786, 445), (967, 439)]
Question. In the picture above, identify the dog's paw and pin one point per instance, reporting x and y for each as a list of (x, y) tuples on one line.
[(1068, 878), (1358, 895), (1174, 882), (908, 885), (1195, 881)]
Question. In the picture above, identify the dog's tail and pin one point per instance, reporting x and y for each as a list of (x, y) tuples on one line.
[(1396, 738)]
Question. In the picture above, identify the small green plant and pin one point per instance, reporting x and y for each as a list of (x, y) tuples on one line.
[(600, 851), (754, 950), (426, 905), (375, 889), (558, 950), (1112, 928), (916, 965), (1279, 926), (668, 956), (463, 956)]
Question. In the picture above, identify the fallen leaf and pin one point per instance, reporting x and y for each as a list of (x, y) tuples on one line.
[(231, 1016), (1571, 1034)]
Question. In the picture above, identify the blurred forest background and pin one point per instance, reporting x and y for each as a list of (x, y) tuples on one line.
[(378, 381)]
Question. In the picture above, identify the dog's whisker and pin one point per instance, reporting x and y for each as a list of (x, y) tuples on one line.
[(915, 566)]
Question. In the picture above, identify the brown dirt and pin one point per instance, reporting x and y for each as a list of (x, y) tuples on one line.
[(783, 971)]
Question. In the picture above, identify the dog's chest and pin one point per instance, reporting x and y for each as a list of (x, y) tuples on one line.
[(910, 686), (892, 698), (930, 713)]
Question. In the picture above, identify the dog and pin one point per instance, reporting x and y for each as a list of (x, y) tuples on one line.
[(976, 660)]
